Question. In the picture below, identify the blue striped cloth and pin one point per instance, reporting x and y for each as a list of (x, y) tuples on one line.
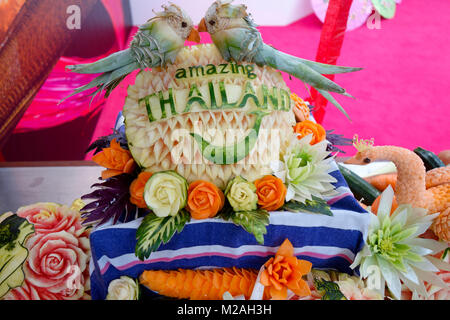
[(328, 242)]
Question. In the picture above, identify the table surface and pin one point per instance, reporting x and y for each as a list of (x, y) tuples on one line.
[(24, 183)]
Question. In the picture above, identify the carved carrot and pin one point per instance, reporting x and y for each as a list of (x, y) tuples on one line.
[(200, 284), (382, 181)]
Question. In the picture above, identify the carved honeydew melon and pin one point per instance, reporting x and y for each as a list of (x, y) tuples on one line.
[(208, 126)]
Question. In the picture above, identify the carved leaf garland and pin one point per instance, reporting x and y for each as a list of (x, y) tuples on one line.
[(155, 230), (254, 222), (329, 289), (335, 140), (111, 200), (316, 206)]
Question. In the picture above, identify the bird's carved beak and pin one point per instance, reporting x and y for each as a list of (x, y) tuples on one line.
[(194, 36), (202, 26)]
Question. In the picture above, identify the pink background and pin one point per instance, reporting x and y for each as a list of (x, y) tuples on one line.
[(400, 96)]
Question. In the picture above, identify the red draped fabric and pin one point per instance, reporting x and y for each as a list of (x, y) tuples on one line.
[(331, 40)]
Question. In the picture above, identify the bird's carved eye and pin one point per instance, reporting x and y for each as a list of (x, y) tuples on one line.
[(212, 22), (366, 160), (183, 24)]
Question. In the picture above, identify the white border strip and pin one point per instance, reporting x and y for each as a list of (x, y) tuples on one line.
[(241, 251)]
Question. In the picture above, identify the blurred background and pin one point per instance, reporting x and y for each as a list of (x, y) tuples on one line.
[(399, 96)]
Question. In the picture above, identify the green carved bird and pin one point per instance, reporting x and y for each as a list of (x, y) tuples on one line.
[(156, 43), (236, 37)]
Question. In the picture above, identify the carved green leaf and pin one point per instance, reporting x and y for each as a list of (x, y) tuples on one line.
[(316, 206), (329, 289), (155, 230), (254, 222), (444, 255)]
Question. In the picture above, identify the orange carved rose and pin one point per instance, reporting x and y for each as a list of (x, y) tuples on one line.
[(301, 109), (307, 127), (271, 193), (205, 200), (285, 271), (115, 159), (137, 189)]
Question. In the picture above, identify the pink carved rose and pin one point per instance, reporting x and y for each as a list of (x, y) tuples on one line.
[(51, 217), (58, 253), (57, 263), (29, 292)]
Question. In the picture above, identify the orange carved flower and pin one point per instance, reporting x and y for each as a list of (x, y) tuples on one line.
[(115, 159), (285, 271), (301, 109), (137, 189), (205, 200), (307, 127), (271, 193)]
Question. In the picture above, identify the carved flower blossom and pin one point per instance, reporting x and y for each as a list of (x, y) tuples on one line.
[(285, 271)]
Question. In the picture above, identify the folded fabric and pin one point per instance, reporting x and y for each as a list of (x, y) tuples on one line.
[(328, 242)]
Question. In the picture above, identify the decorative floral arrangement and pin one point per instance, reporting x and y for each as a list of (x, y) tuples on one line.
[(304, 168), (309, 127), (123, 288), (281, 275), (45, 253), (399, 261), (332, 285), (45, 247), (284, 273), (300, 181), (401, 258), (302, 110), (115, 159), (394, 248), (404, 250)]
